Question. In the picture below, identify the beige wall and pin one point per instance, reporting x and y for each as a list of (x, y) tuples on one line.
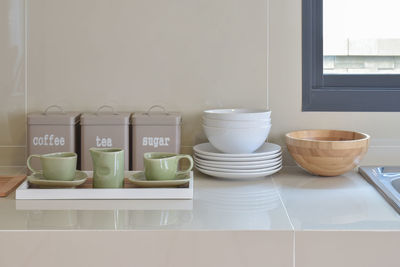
[(12, 82), (187, 55)]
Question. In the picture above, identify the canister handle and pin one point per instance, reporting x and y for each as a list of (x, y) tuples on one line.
[(53, 106), (156, 106), (104, 107)]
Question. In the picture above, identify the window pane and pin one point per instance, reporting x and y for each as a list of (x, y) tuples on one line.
[(361, 36)]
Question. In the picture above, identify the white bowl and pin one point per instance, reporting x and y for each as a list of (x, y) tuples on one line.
[(237, 140), (236, 124), (238, 114)]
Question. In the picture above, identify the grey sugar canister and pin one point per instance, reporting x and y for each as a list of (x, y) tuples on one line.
[(154, 132), (53, 130), (104, 129)]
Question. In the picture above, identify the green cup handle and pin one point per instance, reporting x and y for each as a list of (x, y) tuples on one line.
[(28, 163), (179, 157)]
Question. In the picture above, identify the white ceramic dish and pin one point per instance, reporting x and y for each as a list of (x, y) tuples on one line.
[(139, 179), (237, 140), (244, 159), (239, 165), (208, 150), (39, 180), (238, 114), (273, 158), (229, 175), (236, 124), (229, 170)]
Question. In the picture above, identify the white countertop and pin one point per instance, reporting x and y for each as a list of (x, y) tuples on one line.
[(346, 202), (287, 201)]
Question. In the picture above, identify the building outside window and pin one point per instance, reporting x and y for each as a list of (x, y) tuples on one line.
[(351, 55)]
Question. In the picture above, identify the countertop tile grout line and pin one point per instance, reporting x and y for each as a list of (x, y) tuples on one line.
[(290, 221), (283, 204), (294, 248)]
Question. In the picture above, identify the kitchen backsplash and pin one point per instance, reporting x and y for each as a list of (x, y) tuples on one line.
[(133, 54), (186, 55), (12, 83)]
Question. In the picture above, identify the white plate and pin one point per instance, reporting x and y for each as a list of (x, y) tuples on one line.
[(239, 165), (239, 171), (244, 159), (229, 175), (208, 150)]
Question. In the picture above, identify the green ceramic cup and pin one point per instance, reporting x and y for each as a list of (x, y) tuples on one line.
[(164, 166), (56, 166), (108, 167)]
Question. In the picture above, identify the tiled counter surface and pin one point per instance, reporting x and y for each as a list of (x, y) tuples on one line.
[(339, 221), (288, 219)]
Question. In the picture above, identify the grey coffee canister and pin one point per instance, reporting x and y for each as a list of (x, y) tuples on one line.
[(53, 130)]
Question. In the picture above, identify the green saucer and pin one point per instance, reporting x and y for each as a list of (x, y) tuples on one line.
[(139, 179), (38, 179)]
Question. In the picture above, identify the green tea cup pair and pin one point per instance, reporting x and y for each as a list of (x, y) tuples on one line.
[(164, 166), (56, 166)]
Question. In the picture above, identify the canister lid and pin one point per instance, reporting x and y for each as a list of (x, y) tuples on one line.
[(156, 117), (105, 118), (59, 117)]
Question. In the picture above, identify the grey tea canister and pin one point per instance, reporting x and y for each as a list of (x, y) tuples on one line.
[(104, 128)]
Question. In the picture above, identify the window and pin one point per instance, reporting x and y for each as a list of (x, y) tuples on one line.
[(351, 55)]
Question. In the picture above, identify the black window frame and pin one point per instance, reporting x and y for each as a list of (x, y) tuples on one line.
[(338, 92)]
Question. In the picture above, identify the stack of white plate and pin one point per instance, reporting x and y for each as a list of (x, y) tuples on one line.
[(264, 161)]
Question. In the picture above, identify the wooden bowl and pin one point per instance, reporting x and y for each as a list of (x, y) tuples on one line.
[(327, 152)]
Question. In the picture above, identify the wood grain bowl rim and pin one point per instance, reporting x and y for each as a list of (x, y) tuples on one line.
[(364, 138)]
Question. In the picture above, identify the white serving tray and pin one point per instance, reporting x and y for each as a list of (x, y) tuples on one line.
[(25, 192), (104, 204)]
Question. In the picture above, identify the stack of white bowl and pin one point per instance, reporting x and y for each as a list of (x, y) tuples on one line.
[(237, 147), (237, 130)]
